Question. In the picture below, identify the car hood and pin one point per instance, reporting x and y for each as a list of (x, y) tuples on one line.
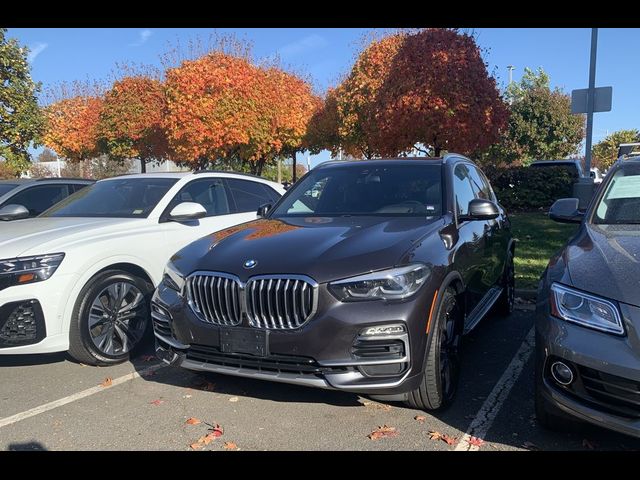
[(324, 248), (605, 260), (56, 234)]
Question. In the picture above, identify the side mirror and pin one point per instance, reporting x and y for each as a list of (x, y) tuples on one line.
[(13, 212), (185, 211), (263, 209), (480, 209), (566, 210)]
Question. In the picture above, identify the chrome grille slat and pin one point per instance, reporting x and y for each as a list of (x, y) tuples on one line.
[(215, 298)]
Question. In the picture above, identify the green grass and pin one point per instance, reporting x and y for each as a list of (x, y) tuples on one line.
[(538, 239)]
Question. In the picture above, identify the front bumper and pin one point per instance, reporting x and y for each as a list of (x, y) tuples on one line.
[(326, 352), (32, 316), (606, 370)]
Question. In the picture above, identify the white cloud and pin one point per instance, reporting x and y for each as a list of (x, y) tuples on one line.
[(311, 42), (143, 36), (35, 50)]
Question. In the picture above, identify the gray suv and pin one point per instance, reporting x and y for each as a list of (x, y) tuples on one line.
[(588, 311), (35, 195)]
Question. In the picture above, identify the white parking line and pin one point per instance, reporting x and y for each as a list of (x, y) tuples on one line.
[(492, 405), (76, 396)]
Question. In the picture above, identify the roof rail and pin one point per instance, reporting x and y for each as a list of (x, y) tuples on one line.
[(626, 150), (198, 172), (48, 179)]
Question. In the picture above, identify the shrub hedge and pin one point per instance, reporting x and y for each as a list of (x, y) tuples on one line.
[(521, 189)]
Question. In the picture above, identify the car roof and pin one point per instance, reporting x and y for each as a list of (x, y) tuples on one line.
[(201, 173), (25, 181), (405, 161)]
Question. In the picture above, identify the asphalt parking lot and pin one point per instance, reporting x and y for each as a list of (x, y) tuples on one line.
[(49, 402)]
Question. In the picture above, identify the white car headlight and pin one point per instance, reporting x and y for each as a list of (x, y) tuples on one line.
[(23, 270), (585, 309), (172, 278), (392, 284)]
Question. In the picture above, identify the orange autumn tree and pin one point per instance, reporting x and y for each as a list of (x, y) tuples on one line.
[(71, 127), (357, 97), (437, 94), (131, 119), (322, 129), (212, 108)]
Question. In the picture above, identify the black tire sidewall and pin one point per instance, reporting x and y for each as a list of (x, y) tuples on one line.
[(85, 300)]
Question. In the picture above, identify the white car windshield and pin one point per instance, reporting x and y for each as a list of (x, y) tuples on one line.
[(119, 198)]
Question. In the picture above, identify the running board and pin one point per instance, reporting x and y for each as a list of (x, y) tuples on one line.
[(482, 308)]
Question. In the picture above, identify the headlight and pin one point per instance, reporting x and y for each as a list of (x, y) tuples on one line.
[(172, 278), (585, 309), (393, 284), (23, 270)]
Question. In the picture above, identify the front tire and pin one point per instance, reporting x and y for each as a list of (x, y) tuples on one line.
[(441, 363), (504, 304), (110, 318)]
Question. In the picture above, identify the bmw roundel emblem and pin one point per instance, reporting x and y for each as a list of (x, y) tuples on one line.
[(250, 263)]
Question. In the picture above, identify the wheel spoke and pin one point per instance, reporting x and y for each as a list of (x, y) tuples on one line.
[(135, 303)]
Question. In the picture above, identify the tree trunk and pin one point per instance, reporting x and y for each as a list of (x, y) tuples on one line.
[(143, 165), (294, 174), (437, 150)]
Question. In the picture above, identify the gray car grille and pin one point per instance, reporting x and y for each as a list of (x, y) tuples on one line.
[(215, 298), (273, 302)]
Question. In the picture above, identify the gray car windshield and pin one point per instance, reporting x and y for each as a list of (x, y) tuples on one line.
[(620, 203), (6, 187), (119, 198), (389, 190)]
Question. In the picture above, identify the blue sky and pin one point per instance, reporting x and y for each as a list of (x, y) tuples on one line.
[(326, 54)]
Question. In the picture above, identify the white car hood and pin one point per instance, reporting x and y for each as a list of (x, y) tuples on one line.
[(57, 234)]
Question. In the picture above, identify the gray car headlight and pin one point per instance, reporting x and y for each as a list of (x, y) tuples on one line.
[(392, 284), (23, 270), (585, 309), (172, 277)]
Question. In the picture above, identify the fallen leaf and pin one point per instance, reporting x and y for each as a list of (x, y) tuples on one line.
[(192, 421), (433, 435), (449, 440), (377, 406), (230, 446), (208, 438), (420, 418), (234, 399), (148, 358), (590, 444), (107, 382), (157, 402), (476, 442), (216, 430), (530, 446), (196, 446), (382, 432)]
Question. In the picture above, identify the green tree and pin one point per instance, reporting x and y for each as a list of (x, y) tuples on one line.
[(605, 151), (541, 125), (21, 121)]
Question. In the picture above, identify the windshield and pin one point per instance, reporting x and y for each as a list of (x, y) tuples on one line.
[(620, 203), (120, 198), (6, 187), (390, 190)]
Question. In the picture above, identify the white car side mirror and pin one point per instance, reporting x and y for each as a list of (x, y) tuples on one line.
[(186, 211), (13, 212)]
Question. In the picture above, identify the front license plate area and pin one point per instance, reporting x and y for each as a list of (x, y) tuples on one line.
[(244, 340)]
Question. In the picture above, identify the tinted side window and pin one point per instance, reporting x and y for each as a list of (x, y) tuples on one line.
[(248, 195), (40, 198), (480, 184), (462, 188), (78, 186), (208, 192)]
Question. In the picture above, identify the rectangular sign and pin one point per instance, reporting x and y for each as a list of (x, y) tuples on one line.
[(602, 100)]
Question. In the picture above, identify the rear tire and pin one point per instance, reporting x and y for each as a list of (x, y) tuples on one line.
[(504, 304), (441, 362), (110, 319)]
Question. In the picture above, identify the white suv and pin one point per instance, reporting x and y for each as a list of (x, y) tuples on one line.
[(80, 276)]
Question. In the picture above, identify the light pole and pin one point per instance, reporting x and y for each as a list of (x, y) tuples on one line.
[(590, 99), (511, 68)]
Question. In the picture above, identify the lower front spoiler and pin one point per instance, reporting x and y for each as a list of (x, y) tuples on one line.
[(579, 410), (395, 389)]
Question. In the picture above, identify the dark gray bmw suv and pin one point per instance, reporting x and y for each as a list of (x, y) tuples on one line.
[(362, 278)]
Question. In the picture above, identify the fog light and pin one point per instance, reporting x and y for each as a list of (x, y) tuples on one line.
[(561, 373), (380, 330)]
